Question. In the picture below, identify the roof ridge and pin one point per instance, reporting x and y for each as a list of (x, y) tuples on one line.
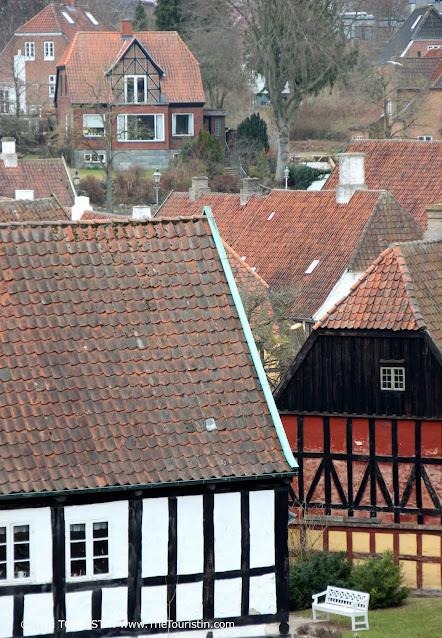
[(249, 268), (408, 286), (109, 221)]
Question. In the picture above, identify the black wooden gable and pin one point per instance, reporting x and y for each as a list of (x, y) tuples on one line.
[(136, 61)]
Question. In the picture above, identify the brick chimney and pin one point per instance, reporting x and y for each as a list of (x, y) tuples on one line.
[(351, 176), (434, 216), (8, 155), (250, 188), (200, 186), (126, 29)]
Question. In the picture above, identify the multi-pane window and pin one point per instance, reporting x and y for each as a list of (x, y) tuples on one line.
[(135, 89), (51, 82), (182, 124), (4, 100), (89, 549), (48, 50), (392, 378), (94, 158), (29, 51), (218, 128), (141, 128), (15, 559)]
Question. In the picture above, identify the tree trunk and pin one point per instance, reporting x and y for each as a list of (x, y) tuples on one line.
[(109, 187), (283, 150)]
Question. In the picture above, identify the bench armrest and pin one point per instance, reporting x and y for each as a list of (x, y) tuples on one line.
[(316, 596)]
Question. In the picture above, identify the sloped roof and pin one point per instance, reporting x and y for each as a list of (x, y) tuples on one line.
[(46, 209), (409, 169), (89, 57), (118, 341), (51, 20), (402, 290), (417, 73), (45, 177), (424, 23)]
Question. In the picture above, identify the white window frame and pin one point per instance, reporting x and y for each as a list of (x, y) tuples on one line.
[(93, 158), (122, 129), (425, 138), (393, 376), (29, 50), (88, 523), (191, 125), (10, 579), (48, 50), (389, 106), (5, 101), (136, 79), (51, 85), (86, 129)]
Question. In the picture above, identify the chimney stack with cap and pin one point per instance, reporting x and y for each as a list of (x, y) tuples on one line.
[(9, 156), (250, 188), (126, 29), (434, 217), (200, 186), (351, 176)]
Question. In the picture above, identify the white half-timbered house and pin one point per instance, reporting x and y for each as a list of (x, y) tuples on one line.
[(144, 471)]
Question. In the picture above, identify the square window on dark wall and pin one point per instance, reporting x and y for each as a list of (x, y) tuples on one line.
[(392, 378)]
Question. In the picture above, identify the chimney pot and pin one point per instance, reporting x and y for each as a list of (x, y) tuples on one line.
[(434, 217), (200, 186), (80, 206), (250, 188), (8, 155), (126, 29), (351, 176)]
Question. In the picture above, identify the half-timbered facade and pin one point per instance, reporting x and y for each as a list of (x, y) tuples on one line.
[(137, 96), (145, 474), (362, 408)]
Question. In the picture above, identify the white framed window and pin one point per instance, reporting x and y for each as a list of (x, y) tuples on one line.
[(425, 138), (93, 125), (359, 138), (141, 127), (51, 83), (89, 549), (48, 49), (393, 378), (182, 124), (15, 554), (29, 51), (4, 101), (94, 158), (434, 46), (389, 106), (135, 89)]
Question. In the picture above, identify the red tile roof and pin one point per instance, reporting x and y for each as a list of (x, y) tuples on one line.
[(409, 169), (46, 177), (118, 341), (402, 290), (47, 209), (89, 56), (51, 20), (282, 234)]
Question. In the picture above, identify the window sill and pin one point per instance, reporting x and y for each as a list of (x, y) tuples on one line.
[(85, 579), (140, 141)]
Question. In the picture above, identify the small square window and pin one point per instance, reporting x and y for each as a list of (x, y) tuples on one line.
[(393, 378), (51, 82), (182, 124)]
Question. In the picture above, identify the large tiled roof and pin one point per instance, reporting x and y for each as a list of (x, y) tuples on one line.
[(409, 169), (424, 23), (51, 20), (417, 73), (282, 234), (88, 57), (402, 290), (118, 341), (46, 209), (46, 177)]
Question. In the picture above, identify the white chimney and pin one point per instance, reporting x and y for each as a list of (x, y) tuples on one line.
[(24, 194), (81, 206), (351, 176), (434, 217), (141, 212), (250, 188), (8, 155), (200, 186)]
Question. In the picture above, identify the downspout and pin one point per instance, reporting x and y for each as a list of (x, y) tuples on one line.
[(250, 340)]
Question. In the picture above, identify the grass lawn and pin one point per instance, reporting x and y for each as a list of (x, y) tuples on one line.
[(416, 618), (100, 174)]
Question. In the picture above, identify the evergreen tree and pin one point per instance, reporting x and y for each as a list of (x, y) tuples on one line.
[(168, 15), (254, 128), (139, 20)]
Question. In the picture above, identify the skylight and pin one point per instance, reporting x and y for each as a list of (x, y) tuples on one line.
[(244, 257), (92, 19), (68, 17), (415, 23), (271, 216), (312, 266)]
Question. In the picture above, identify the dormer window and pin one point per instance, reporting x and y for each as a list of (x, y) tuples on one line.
[(135, 89)]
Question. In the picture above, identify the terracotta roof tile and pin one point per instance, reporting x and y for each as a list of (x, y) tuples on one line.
[(51, 19), (46, 177), (47, 209), (118, 341)]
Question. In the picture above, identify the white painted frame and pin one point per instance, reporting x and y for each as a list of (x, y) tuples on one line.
[(48, 50), (191, 125), (29, 50), (122, 127), (135, 79)]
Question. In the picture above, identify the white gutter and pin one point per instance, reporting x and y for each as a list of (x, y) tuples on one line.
[(250, 341)]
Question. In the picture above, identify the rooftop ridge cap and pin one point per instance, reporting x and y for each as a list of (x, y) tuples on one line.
[(407, 280), (101, 222)]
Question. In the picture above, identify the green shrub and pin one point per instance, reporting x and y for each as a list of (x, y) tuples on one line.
[(302, 176), (382, 579), (312, 574), (254, 128)]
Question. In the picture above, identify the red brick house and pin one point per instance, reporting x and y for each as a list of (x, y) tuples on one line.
[(138, 96), (422, 31), (28, 63)]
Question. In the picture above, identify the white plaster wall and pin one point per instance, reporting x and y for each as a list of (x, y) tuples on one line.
[(79, 610), (40, 536), (190, 535), (154, 604), (155, 535), (262, 594), (339, 290), (116, 514), (228, 597), (248, 631), (114, 606), (189, 601), (6, 616), (262, 528), (38, 617), (227, 531)]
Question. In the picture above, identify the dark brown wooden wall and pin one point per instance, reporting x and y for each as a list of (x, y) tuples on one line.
[(340, 375)]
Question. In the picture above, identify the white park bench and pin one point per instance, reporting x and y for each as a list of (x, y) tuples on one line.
[(344, 602)]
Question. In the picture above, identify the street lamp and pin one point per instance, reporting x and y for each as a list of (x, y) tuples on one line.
[(156, 178), (286, 176), (76, 180)]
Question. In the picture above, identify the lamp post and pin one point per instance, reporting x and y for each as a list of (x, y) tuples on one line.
[(156, 178), (76, 180), (286, 176)]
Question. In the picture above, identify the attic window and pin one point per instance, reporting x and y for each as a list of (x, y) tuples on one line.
[(271, 216), (393, 378), (416, 22), (92, 19), (312, 266), (67, 17)]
